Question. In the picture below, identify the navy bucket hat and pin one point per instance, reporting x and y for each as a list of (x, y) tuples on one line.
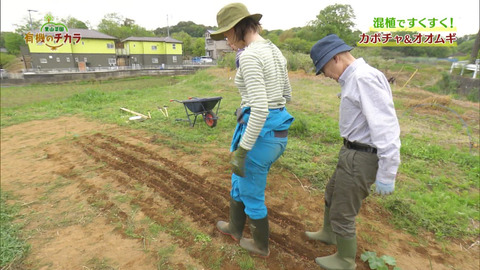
[(325, 49)]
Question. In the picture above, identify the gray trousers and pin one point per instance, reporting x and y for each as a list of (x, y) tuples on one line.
[(350, 184)]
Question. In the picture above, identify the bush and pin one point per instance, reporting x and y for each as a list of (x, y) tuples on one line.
[(5, 59), (446, 85), (297, 61), (228, 60)]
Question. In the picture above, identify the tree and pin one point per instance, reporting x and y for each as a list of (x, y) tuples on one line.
[(198, 47), (71, 22), (13, 41), (286, 35), (187, 42), (25, 27), (335, 19), (307, 33), (297, 45), (5, 59), (2, 40), (273, 36), (115, 25), (192, 29)]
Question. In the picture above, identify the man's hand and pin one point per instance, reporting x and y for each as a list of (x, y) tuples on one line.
[(384, 189), (238, 161)]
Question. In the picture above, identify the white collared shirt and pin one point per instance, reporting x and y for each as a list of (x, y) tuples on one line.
[(367, 115)]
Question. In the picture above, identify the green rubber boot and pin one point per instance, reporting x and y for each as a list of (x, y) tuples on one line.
[(259, 243), (344, 259), (326, 235), (234, 228)]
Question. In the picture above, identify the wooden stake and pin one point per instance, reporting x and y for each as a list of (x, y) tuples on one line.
[(409, 79), (136, 113)]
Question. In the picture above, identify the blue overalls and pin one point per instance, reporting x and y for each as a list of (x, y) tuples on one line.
[(267, 149)]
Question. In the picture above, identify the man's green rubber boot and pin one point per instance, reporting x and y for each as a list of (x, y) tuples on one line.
[(326, 235), (259, 243), (234, 228), (344, 259)]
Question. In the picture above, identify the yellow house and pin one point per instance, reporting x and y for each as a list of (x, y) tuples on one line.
[(152, 51), (77, 47)]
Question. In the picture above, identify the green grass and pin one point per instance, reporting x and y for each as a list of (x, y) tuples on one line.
[(437, 187), (12, 247)]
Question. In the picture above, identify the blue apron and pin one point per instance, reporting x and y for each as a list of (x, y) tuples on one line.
[(277, 119)]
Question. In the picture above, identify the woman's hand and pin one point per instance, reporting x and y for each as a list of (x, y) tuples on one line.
[(238, 161)]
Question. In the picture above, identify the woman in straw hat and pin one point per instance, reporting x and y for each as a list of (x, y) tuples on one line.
[(260, 136)]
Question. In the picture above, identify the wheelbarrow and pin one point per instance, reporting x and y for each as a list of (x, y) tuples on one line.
[(201, 106)]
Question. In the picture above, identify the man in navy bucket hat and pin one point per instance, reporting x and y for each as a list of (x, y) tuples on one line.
[(325, 49), (371, 146)]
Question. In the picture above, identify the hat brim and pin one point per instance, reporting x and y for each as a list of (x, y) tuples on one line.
[(322, 62), (218, 35)]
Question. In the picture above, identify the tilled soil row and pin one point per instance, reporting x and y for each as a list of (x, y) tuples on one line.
[(203, 201)]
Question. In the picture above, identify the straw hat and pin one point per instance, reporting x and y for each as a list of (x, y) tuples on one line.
[(229, 16)]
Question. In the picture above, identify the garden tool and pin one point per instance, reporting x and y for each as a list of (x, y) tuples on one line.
[(160, 109)]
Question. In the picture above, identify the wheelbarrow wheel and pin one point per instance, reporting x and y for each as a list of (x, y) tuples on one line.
[(210, 119)]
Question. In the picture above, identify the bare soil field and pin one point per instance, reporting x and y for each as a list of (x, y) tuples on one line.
[(98, 196)]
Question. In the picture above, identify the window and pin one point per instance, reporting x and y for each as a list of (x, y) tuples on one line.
[(154, 47), (85, 59), (43, 60), (58, 59), (174, 59), (173, 46), (110, 46), (112, 61), (76, 59), (154, 60), (68, 59), (51, 57)]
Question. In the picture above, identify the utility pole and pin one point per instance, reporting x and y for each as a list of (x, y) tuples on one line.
[(168, 28), (30, 15)]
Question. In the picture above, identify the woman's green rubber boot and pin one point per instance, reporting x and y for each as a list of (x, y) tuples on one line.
[(234, 228)]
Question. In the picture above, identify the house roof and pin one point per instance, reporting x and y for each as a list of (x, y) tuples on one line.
[(86, 33), (153, 39)]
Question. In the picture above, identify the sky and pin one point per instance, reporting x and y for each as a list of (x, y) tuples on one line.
[(277, 14)]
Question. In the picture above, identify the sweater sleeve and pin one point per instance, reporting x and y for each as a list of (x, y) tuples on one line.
[(252, 69)]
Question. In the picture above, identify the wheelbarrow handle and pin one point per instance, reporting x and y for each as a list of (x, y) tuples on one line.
[(171, 100)]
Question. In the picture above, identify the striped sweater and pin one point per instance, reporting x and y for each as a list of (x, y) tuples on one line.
[(262, 80)]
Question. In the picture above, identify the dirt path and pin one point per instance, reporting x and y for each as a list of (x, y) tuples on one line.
[(103, 197)]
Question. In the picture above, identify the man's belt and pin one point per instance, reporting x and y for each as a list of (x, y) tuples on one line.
[(359, 147)]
